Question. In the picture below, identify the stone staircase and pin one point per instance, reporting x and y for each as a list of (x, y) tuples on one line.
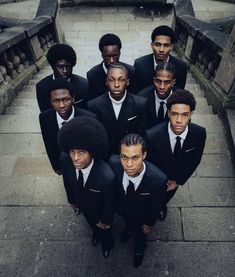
[(40, 235)]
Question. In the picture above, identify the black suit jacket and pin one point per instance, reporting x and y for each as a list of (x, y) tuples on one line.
[(143, 207), (50, 129), (97, 199), (81, 88), (149, 93), (144, 71), (159, 151), (97, 80), (131, 118)]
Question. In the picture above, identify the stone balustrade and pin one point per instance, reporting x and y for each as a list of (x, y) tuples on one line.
[(205, 48), (23, 48)]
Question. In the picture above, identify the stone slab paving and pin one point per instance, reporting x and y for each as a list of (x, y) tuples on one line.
[(40, 235)]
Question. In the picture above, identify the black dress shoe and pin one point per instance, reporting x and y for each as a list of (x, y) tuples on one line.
[(138, 258), (95, 240), (105, 253), (126, 234), (162, 214)]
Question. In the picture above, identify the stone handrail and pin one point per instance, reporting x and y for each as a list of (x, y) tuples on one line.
[(23, 47), (202, 45)]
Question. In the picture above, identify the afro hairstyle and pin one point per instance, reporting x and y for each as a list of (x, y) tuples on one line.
[(61, 51), (60, 83), (109, 39), (85, 133), (163, 30), (182, 96)]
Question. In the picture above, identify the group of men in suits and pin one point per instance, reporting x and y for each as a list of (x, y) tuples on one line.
[(101, 152)]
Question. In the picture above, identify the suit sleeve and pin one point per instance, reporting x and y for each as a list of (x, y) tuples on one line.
[(109, 202), (142, 107), (43, 101), (189, 168), (50, 145), (158, 198), (182, 76)]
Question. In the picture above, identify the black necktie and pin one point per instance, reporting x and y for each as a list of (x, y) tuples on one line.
[(130, 190), (177, 148), (160, 115), (80, 181)]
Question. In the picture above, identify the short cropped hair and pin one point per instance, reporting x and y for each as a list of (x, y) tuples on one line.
[(165, 66), (61, 51), (60, 83), (163, 30), (182, 96), (84, 133), (118, 66), (109, 39), (133, 139)]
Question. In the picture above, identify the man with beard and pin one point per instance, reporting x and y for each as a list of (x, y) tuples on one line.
[(158, 93)]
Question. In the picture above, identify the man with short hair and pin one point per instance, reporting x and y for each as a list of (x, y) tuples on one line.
[(62, 58), (140, 192), (158, 93), (163, 38), (176, 147), (110, 47), (89, 177), (120, 111), (61, 96)]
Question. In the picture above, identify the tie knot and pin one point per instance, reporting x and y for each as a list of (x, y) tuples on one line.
[(178, 139), (162, 103)]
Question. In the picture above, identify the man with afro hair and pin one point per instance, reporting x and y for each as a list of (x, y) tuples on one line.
[(162, 40), (62, 58), (176, 147), (89, 177), (110, 47)]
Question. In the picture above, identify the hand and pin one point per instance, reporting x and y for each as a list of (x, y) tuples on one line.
[(58, 172), (171, 185), (146, 229), (103, 226)]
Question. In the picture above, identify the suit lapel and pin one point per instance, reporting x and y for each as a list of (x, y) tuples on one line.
[(107, 109), (126, 109)]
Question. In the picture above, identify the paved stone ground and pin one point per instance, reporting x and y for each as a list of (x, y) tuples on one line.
[(40, 235)]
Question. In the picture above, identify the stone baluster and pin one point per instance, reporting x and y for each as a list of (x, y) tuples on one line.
[(9, 65)]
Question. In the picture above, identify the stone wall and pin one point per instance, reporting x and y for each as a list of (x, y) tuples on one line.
[(23, 48)]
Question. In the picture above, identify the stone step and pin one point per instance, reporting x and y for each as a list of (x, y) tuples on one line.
[(19, 124), (21, 111), (27, 144), (33, 191), (26, 94), (30, 88), (210, 121), (27, 103)]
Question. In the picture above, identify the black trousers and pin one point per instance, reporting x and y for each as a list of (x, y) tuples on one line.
[(105, 236), (139, 238)]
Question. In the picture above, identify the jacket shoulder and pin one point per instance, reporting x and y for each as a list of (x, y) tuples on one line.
[(94, 70), (105, 171), (44, 81), (177, 62), (146, 91), (157, 130), (155, 173), (143, 59)]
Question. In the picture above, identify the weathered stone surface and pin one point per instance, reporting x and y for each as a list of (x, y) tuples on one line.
[(215, 165), (216, 143), (208, 224), (19, 124), (26, 145), (212, 192), (210, 121), (31, 191)]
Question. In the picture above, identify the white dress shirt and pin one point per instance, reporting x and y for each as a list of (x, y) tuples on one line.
[(60, 120), (85, 171), (158, 101), (135, 180), (117, 105), (172, 137)]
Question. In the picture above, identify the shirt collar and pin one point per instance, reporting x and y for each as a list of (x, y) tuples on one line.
[(86, 171), (60, 120), (135, 180), (172, 135), (161, 100), (155, 63), (115, 101), (104, 68)]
